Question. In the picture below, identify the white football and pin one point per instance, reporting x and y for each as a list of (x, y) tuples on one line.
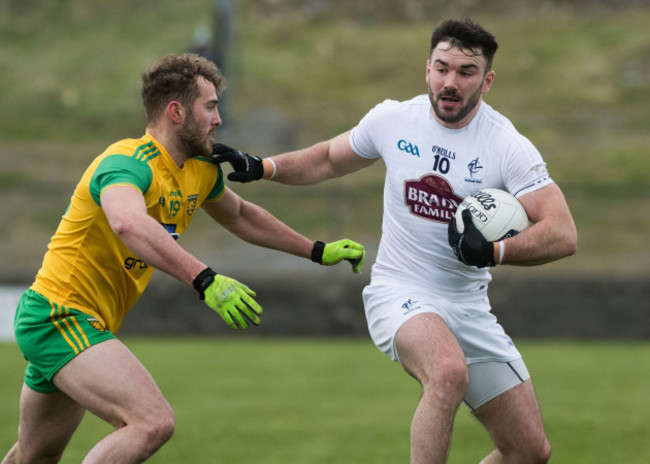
[(496, 213)]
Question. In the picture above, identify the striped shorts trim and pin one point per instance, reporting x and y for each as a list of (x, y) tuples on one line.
[(69, 327)]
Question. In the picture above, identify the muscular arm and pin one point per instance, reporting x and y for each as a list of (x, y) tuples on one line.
[(553, 234), (256, 225), (325, 160), (126, 212)]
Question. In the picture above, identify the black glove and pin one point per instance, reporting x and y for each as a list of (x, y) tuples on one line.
[(247, 168), (470, 247)]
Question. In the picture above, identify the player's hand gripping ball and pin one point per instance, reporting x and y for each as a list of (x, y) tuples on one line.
[(496, 214), (469, 246), (485, 217)]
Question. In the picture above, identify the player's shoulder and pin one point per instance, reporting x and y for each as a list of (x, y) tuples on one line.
[(492, 120), (499, 131), (396, 105), (391, 109), (142, 149), (126, 155)]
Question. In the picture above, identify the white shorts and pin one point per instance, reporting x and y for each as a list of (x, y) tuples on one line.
[(481, 337)]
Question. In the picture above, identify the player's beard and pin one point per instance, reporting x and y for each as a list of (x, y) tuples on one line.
[(193, 137), (461, 112)]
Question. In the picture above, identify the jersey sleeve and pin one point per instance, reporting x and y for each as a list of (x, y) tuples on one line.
[(364, 136), (120, 170), (527, 169)]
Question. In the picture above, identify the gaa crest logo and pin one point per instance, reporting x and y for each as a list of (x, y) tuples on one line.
[(191, 204), (95, 324), (474, 168)]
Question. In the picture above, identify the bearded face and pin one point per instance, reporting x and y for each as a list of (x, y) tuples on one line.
[(451, 108), (195, 138)]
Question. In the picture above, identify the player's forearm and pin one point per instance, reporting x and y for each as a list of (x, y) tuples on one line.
[(542, 243), (553, 235), (126, 213), (257, 226), (151, 243), (302, 167)]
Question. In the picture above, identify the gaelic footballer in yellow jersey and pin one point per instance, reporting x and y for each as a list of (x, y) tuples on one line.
[(87, 266), (130, 204)]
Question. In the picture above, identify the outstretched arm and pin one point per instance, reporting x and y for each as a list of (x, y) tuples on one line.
[(322, 161), (126, 212), (255, 225)]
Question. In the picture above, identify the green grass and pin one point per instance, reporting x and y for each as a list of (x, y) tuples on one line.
[(341, 401)]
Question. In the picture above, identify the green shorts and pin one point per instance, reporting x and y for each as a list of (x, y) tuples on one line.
[(50, 335)]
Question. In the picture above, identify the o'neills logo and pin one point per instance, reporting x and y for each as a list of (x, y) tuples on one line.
[(431, 197)]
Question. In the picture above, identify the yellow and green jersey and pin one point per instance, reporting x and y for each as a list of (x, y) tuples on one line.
[(87, 266)]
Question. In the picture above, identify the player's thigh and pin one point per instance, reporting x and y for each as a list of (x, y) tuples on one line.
[(108, 380), (513, 418), (47, 422), (426, 347)]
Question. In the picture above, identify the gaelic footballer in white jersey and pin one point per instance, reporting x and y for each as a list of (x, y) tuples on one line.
[(429, 170)]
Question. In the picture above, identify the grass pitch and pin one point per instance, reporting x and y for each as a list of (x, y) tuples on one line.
[(341, 401)]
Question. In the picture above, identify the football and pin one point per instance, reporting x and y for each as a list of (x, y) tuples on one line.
[(496, 213)]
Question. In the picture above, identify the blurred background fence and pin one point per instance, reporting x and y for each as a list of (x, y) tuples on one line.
[(574, 76)]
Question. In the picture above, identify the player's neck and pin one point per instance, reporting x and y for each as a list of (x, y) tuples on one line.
[(169, 141)]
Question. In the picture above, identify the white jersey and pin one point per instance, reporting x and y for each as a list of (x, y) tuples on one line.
[(429, 170)]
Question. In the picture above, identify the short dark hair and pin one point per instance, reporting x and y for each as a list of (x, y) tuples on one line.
[(468, 36), (174, 78)]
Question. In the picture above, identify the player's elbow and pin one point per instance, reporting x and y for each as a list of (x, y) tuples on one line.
[(570, 242), (123, 225), (572, 246)]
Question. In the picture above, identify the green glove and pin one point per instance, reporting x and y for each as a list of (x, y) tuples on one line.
[(229, 298), (332, 253)]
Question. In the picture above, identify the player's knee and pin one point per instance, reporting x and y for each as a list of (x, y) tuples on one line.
[(455, 375), (43, 457), (449, 380), (13, 456), (542, 452), (157, 431), (533, 452), (42, 452), (164, 428), (538, 451)]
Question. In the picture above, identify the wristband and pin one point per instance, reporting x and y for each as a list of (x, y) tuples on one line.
[(317, 252), (502, 250), (203, 281), (274, 168)]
